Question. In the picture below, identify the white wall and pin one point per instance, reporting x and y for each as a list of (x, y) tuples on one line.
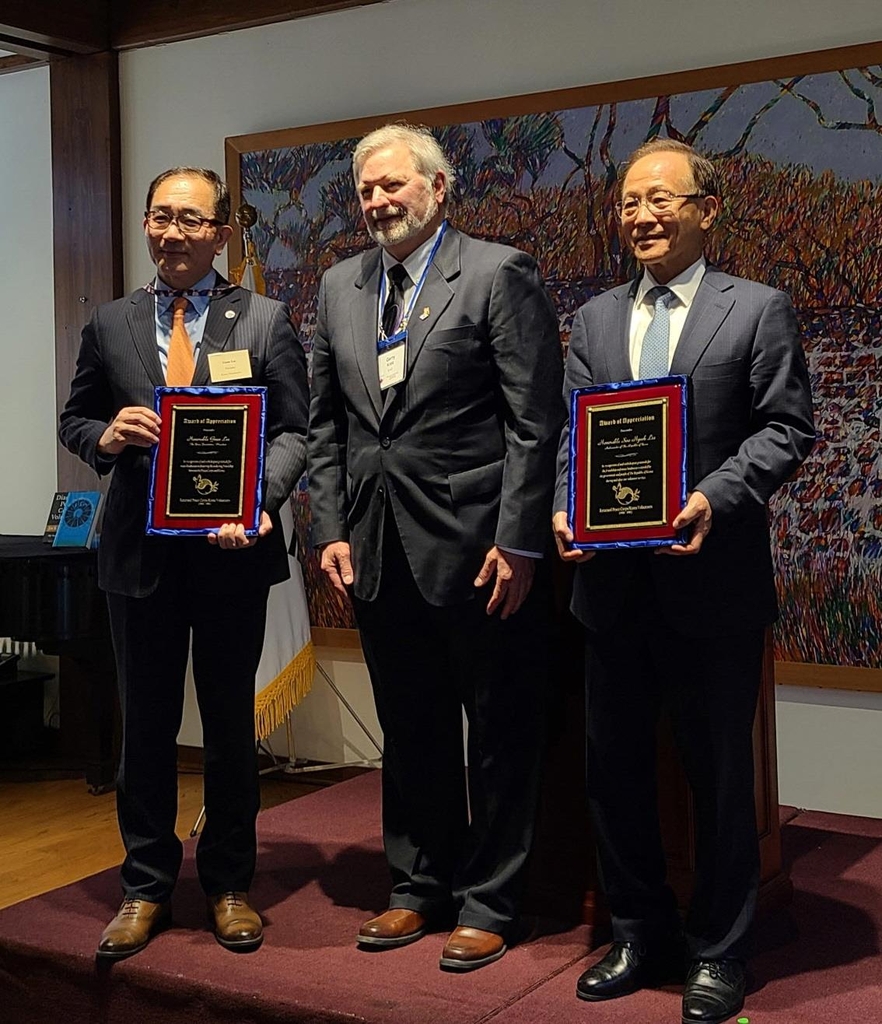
[(830, 750), (27, 338)]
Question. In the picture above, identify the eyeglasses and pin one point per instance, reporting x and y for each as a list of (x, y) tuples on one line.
[(188, 223), (659, 204)]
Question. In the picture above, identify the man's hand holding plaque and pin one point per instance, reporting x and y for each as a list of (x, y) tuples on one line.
[(563, 538), (696, 517), (135, 424), (231, 536)]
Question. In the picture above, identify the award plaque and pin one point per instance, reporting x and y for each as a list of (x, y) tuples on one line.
[(627, 469), (207, 468)]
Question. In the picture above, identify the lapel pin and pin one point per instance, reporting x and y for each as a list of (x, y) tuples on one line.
[(230, 313), (425, 313)]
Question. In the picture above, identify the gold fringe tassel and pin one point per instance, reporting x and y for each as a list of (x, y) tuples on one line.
[(275, 701)]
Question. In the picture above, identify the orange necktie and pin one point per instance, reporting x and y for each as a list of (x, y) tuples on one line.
[(179, 371)]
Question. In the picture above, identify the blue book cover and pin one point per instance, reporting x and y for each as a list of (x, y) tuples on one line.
[(76, 528)]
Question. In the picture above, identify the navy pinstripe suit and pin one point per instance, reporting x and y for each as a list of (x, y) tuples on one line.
[(160, 589)]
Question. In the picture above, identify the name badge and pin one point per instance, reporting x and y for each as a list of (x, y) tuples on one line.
[(392, 359), (229, 366)]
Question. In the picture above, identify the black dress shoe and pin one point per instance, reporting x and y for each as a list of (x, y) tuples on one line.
[(629, 966), (714, 991)]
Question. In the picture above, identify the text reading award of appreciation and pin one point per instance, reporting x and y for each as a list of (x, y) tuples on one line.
[(208, 464), (627, 469)]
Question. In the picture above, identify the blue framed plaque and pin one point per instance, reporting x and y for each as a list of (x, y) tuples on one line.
[(628, 463), (207, 467)]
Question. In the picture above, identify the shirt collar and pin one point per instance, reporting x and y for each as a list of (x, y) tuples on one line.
[(684, 286), (416, 263), (199, 302)]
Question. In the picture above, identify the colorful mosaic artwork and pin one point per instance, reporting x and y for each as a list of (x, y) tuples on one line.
[(803, 163)]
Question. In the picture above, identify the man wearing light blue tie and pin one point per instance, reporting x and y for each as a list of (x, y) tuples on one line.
[(683, 626)]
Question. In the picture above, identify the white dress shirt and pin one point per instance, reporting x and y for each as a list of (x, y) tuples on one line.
[(684, 286), (415, 265)]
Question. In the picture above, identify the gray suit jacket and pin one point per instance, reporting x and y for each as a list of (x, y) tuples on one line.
[(462, 451), (751, 425), (118, 366)]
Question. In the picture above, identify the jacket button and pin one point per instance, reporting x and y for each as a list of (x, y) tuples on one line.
[(385, 442), (381, 492)]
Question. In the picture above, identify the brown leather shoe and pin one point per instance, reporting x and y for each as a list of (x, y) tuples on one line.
[(470, 948), (237, 925), (397, 927), (135, 924)]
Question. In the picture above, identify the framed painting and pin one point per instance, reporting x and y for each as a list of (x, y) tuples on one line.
[(799, 140)]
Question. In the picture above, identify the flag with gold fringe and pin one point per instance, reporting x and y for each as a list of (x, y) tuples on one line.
[(287, 665)]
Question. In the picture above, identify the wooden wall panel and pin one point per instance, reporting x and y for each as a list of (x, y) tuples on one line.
[(86, 184)]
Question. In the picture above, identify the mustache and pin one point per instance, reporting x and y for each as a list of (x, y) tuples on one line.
[(390, 211)]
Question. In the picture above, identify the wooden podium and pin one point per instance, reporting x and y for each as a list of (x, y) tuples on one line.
[(563, 880)]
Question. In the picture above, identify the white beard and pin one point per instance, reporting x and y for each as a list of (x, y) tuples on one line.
[(400, 229)]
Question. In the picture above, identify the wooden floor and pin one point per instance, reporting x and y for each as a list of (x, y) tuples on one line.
[(53, 833)]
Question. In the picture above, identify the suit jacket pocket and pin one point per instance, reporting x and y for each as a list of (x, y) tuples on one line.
[(453, 336), (476, 484), (720, 369)]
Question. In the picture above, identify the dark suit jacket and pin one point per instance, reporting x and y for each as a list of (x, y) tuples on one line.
[(462, 451), (119, 366), (751, 426)]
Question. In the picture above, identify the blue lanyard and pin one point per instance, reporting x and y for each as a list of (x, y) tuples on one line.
[(416, 292)]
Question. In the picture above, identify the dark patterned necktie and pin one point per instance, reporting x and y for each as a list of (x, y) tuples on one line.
[(393, 311)]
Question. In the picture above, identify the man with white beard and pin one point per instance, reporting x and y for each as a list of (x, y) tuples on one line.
[(433, 422)]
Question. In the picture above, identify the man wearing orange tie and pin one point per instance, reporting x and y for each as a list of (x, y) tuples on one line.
[(166, 593)]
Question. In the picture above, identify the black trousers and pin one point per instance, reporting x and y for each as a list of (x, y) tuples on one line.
[(151, 637), (456, 843), (710, 688)]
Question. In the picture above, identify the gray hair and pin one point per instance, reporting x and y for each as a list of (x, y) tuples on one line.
[(428, 156)]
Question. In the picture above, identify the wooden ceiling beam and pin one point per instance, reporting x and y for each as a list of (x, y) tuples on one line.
[(54, 29), (136, 23), (16, 62), (60, 28)]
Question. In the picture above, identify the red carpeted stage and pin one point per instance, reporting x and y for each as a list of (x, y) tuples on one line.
[(321, 872)]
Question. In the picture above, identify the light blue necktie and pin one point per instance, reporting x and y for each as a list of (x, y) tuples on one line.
[(654, 355)]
